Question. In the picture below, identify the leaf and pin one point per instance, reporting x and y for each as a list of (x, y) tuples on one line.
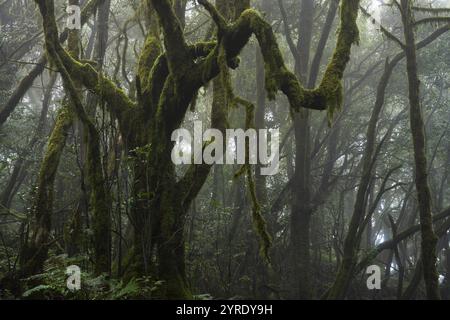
[(130, 289), (35, 290)]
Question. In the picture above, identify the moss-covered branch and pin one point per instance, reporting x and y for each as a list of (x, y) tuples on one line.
[(177, 49), (259, 223), (219, 20), (117, 100), (327, 96), (145, 78)]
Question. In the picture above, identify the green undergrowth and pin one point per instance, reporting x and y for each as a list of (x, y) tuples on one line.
[(52, 284)]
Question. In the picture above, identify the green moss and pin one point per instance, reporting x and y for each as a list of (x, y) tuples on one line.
[(328, 96), (149, 54), (259, 223)]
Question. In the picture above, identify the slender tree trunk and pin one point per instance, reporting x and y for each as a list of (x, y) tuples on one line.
[(301, 200), (429, 239), (34, 252)]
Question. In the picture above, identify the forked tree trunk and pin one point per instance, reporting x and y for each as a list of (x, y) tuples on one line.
[(301, 196)]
